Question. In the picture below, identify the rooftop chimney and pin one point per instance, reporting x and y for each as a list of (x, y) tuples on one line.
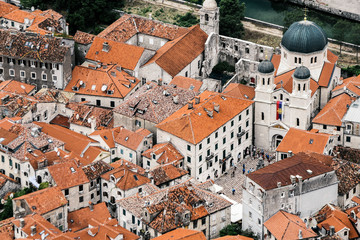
[(216, 107), (176, 99), (106, 47), (290, 153), (91, 206), (331, 231), (190, 105), (160, 82), (33, 230), (210, 113), (197, 100), (300, 234), (22, 223)]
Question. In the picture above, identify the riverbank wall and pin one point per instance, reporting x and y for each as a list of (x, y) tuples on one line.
[(335, 7)]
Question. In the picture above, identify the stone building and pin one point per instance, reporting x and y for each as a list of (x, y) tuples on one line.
[(183, 205), (351, 124), (213, 132), (43, 61), (292, 185), (7, 185)]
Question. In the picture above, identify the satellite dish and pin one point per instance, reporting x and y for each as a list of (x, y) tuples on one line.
[(89, 120), (23, 87), (77, 116), (81, 82), (103, 88)]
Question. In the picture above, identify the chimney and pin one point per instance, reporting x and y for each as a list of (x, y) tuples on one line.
[(300, 234), (106, 47), (197, 100), (33, 230), (331, 231), (160, 82), (293, 179), (290, 153), (91, 206), (176, 99), (279, 184), (92, 123), (210, 113), (22, 223), (190, 105), (216, 107)]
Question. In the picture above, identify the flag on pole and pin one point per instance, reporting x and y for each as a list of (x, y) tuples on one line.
[(279, 110)]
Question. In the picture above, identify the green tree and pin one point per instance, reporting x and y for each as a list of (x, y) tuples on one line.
[(186, 20), (231, 14), (339, 31), (291, 17), (235, 229), (355, 39)]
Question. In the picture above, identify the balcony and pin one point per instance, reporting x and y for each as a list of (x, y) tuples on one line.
[(240, 134), (211, 156)]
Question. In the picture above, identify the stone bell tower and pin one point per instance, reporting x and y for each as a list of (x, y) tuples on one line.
[(209, 17)]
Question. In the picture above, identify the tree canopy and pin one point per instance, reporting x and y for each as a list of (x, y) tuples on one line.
[(231, 14), (81, 14)]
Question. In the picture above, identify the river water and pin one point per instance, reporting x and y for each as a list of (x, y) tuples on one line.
[(274, 12)]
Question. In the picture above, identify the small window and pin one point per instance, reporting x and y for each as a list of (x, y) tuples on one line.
[(189, 159), (216, 134), (224, 140), (297, 122), (348, 139), (295, 59), (188, 147), (54, 78), (44, 77), (324, 127), (224, 129), (216, 146), (200, 146), (208, 141), (200, 158), (12, 72), (33, 75), (262, 116), (151, 41), (98, 102), (81, 199), (66, 192), (22, 74), (247, 112)]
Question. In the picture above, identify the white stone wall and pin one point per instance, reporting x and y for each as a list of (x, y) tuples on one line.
[(200, 169), (75, 194)]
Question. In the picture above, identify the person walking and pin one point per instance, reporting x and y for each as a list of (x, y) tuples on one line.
[(233, 191)]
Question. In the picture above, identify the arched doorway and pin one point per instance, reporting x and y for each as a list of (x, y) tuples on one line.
[(276, 140), (39, 179)]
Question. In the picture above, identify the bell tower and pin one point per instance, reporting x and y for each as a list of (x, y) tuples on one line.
[(209, 17)]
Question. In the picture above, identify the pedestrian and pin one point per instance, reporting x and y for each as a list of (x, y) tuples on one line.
[(244, 165), (234, 168), (233, 191), (248, 171), (243, 170)]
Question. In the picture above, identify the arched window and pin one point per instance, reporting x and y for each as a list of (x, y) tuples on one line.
[(299, 60), (295, 59), (299, 87), (281, 97), (105, 184), (206, 17), (262, 116), (297, 122), (247, 50), (312, 60), (315, 59), (268, 81), (304, 87), (263, 81), (112, 199)]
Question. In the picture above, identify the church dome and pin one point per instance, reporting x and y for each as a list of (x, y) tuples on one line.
[(302, 73), (210, 4), (304, 37), (266, 67)]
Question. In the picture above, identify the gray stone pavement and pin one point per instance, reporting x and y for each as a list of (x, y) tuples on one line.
[(228, 182)]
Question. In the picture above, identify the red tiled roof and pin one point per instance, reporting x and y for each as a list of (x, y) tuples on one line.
[(19, 16), (297, 140), (44, 201), (193, 125), (188, 83), (269, 176), (125, 55), (168, 153), (240, 91), (175, 55), (334, 110), (83, 37), (129, 25), (285, 80), (276, 61), (166, 173), (98, 82), (67, 175), (352, 84), (61, 120), (16, 87), (326, 74), (182, 234), (286, 226), (6, 8), (332, 57)]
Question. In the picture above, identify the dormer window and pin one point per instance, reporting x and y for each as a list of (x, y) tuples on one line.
[(113, 179), (154, 156)]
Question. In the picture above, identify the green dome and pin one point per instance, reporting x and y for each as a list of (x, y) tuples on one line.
[(302, 73), (266, 67), (304, 37)]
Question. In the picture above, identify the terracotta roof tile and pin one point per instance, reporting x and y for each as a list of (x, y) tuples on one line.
[(61, 120), (79, 219), (275, 59), (187, 83), (182, 234), (166, 173), (96, 169), (7, 229), (297, 140), (67, 175), (175, 55), (44, 201), (269, 176), (129, 25), (125, 55), (193, 125), (42, 226), (4, 179), (285, 226), (83, 37), (240, 91), (16, 87), (150, 102), (332, 57), (53, 95), (348, 174), (126, 177), (326, 74), (167, 153), (334, 110), (285, 81), (351, 84), (6, 8), (19, 16), (107, 81)]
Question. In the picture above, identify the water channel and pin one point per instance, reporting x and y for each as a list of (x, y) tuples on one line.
[(274, 12)]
